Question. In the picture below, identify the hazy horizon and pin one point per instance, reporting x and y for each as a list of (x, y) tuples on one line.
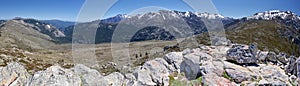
[(68, 11)]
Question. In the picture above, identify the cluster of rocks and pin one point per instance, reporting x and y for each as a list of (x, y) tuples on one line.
[(207, 65), (109, 67), (109, 64), (245, 55)]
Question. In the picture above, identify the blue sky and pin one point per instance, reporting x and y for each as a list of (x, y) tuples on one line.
[(69, 9)]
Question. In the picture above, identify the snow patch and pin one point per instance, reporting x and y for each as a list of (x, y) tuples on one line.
[(268, 15), (47, 26)]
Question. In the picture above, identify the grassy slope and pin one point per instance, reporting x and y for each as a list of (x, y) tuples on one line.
[(14, 34), (265, 34)]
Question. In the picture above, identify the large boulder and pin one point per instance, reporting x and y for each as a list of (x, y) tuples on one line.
[(13, 74), (242, 54), (163, 62), (158, 71), (253, 49), (89, 77), (272, 57), (113, 79), (282, 58), (143, 77), (130, 79), (174, 58), (291, 66), (239, 73), (192, 62), (262, 56), (55, 76)]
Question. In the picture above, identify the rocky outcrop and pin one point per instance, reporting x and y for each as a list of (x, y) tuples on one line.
[(242, 54), (89, 77), (215, 80), (56, 76), (113, 79), (238, 73), (273, 75), (192, 61), (261, 56), (13, 74), (207, 65), (291, 66), (143, 76), (174, 58), (159, 71)]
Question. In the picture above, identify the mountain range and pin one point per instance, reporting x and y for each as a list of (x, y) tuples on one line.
[(61, 25), (274, 30)]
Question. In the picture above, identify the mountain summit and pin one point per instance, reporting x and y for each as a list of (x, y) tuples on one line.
[(274, 14), (115, 19)]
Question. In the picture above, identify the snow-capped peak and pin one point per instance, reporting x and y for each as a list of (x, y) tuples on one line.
[(209, 15), (122, 15), (187, 14), (274, 14), (165, 14), (116, 18)]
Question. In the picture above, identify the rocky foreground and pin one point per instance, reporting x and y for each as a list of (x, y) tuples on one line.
[(207, 65)]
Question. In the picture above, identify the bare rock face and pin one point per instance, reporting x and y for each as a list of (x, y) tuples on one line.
[(13, 74), (55, 76), (242, 54)]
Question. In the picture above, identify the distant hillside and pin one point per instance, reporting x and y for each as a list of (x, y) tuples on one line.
[(267, 34), (164, 19), (1, 21), (61, 25), (272, 30), (28, 34)]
